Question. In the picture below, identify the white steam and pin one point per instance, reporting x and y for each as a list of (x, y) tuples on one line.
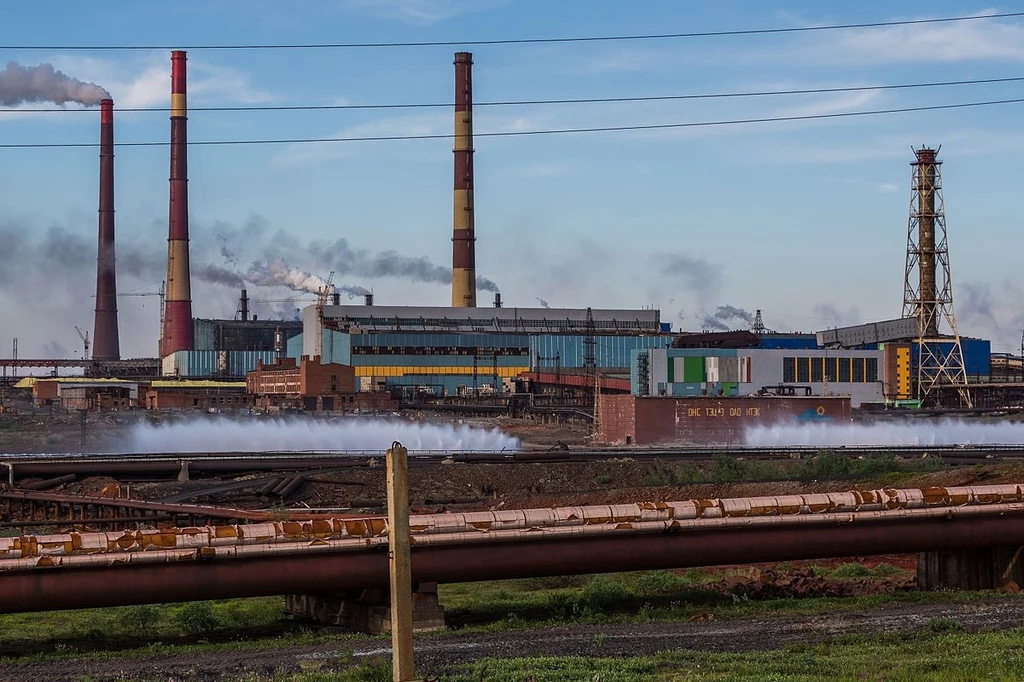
[(303, 435), (944, 432)]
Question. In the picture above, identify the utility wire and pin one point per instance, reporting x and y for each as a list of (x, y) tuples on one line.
[(523, 41), (524, 133), (540, 102)]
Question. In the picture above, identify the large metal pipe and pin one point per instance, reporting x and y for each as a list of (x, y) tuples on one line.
[(120, 585), (927, 172), (463, 238), (105, 342), (177, 332)]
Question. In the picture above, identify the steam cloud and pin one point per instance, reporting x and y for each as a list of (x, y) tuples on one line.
[(20, 84), (263, 435), (945, 432), (719, 320)]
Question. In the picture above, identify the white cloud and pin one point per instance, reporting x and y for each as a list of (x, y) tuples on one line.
[(956, 41), (147, 83), (420, 11)]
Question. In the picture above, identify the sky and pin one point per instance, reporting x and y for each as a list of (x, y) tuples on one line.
[(805, 220)]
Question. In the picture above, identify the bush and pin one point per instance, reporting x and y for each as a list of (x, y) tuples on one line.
[(196, 618), (140, 619), (602, 593)]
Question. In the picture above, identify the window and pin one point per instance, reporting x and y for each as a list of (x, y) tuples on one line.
[(803, 370), (788, 370), (844, 370), (817, 369), (871, 370), (858, 370), (832, 369)]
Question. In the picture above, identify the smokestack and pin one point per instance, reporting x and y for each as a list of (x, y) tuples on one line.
[(497, 299), (105, 342), (178, 308), (463, 249), (368, 299), (926, 174), (243, 306), (335, 297)]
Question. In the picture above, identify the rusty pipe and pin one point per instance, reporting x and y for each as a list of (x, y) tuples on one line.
[(325, 572)]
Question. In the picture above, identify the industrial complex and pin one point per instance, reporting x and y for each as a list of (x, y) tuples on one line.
[(495, 358)]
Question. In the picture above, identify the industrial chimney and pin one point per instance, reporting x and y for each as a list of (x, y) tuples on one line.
[(178, 309), (368, 299), (243, 306), (105, 343), (463, 249), (926, 174), (497, 299)]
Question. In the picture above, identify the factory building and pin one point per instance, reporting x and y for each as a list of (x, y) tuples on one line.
[(311, 386), (468, 351), (691, 372), (636, 420)]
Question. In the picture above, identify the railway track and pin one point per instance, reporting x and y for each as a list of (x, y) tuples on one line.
[(189, 465)]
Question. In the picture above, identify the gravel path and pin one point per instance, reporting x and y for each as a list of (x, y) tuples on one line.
[(438, 653)]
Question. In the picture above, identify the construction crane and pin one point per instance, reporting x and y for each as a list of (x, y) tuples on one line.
[(85, 342), (162, 294), (322, 297)]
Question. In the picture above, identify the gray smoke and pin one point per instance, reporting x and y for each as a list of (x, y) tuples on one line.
[(697, 274), (353, 290), (218, 275), (345, 260), (720, 319), (543, 302), (20, 84)]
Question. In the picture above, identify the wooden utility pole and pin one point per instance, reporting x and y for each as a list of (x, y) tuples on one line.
[(401, 568)]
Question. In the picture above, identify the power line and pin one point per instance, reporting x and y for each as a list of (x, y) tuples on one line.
[(542, 102), (525, 133), (523, 41)]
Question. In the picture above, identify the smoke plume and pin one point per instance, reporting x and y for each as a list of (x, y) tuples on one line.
[(21, 84), (218, 275), (278, 273), (697, 275), (543, 302), (719, 320)]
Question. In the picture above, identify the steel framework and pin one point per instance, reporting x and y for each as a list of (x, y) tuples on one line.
[(928, 296)]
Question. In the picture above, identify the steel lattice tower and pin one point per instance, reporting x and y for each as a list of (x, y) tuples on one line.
[(928, 288)]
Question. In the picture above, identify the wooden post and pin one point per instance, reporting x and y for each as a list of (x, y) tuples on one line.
[(401, 569)]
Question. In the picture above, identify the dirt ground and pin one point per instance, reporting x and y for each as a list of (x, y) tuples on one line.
[(438, 654)]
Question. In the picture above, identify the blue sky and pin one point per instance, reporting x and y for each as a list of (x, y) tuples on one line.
[(805, 220)]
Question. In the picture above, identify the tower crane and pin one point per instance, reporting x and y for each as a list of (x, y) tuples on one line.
[(322, 297), (85, 342)]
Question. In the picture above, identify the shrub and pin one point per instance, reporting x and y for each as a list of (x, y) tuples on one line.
[(196, 618)]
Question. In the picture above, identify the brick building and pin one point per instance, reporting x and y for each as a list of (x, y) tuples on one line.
[(310, 386)]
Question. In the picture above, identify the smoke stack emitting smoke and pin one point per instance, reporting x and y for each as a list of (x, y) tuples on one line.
[(23, 84), (106, 344), (178, 305)]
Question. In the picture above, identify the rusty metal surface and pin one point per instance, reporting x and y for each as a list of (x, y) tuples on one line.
[(39, 590), (565, 524), (75, 506)]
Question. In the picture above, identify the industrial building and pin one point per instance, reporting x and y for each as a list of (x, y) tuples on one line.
[(311, 386), (467, 351), (641, 420)]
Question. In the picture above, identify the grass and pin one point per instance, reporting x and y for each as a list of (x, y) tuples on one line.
[(825, 466), (129, 625), (933, 653), (650, 596)]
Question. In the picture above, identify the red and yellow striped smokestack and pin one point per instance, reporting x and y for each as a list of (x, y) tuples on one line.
[(463, 249), (178, 307), (105, 342)]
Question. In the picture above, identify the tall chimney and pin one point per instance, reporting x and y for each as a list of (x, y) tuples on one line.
[(105, 342), (926, 174), (243, 306), (463, 249), (178, 309)]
